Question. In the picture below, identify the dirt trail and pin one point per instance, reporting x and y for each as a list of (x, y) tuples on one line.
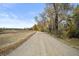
[(42, 44)]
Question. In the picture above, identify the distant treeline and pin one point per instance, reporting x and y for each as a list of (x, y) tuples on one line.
[(15, 28)]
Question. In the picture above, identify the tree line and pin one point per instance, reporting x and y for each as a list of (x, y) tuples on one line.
[(60, 19)]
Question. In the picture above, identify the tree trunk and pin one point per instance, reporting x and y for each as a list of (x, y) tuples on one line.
[(56, 19), (56, 23)]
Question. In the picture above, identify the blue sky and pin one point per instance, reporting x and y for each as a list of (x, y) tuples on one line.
[(19, 15)]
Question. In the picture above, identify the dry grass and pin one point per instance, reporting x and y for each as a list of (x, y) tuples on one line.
[(71, 42), (10, 41)]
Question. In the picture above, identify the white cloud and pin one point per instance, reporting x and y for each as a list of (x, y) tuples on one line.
[(10, 20), (4, 15), (15, 23), (11, 15)]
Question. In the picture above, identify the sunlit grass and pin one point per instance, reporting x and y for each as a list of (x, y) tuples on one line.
[(10, 41)]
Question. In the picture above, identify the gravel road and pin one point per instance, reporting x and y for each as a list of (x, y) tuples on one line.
[(42, 44)]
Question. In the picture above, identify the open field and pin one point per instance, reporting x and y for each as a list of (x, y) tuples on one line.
[(11, 40), (11, 36)]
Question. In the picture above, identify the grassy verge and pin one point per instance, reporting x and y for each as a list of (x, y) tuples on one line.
[(72, 42)]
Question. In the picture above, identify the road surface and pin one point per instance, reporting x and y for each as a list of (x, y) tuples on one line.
[(42, 44)]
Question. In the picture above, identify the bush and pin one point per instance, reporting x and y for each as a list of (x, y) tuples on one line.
[(74, 34)]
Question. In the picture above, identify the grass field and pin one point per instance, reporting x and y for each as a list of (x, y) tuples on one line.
[(11, 37), (11, 40)]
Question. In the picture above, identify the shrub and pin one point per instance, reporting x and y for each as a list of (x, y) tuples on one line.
[(74, 34)]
